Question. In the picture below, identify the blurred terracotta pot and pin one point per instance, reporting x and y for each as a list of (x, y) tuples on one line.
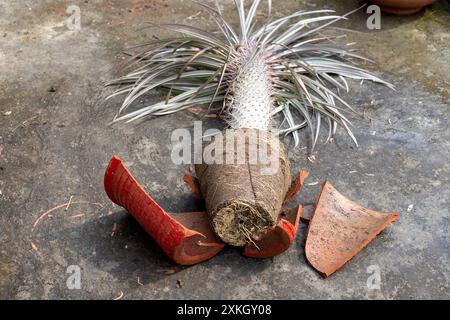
[(402, 7)]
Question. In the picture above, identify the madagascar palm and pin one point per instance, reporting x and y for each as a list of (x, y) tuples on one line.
[(257, 71)]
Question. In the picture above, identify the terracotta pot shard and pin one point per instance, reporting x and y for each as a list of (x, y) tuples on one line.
[(277, 240), (185, 237), (402, 7), (339, 229)]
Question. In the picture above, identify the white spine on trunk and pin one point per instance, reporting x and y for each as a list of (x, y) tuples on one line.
[(249, 101)]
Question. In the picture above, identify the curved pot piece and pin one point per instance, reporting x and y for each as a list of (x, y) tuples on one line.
[(296, 185), (339, 229), (402, 7), (277, 240), (186, 239), (193, 185)]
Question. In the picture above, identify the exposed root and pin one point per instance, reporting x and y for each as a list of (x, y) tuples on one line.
[(249, 237), (238, 222)]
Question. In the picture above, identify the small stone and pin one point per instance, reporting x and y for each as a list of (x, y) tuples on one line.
[(7, 113), (52, 89), (410, 208), (179, 284)]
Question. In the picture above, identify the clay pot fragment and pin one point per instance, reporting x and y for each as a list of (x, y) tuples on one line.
[(339, 229), (277, 240), (185, 237), (402, 7)]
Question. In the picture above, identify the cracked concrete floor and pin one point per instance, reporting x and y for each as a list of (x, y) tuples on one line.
[(55, 142)]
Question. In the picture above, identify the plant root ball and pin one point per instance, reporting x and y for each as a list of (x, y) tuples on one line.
[(244, 191)]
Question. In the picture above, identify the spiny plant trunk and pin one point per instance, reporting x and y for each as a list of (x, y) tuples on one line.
[(249, 101)]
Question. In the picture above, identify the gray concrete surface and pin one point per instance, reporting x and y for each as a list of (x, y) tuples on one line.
[(54, 145)]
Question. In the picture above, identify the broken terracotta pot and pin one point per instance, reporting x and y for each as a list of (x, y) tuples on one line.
[(282, 236), (186, 239), (402, 7), (339, 229), (280, 239), (277, 240), (296, 186)]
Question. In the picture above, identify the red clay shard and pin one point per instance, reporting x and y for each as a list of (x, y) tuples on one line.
[(282, 236), (277, 240), (296, 186), (339, 229), (193, 185), (186, 240)]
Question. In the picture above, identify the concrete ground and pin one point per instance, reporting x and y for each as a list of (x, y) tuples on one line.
[(55, 143)]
